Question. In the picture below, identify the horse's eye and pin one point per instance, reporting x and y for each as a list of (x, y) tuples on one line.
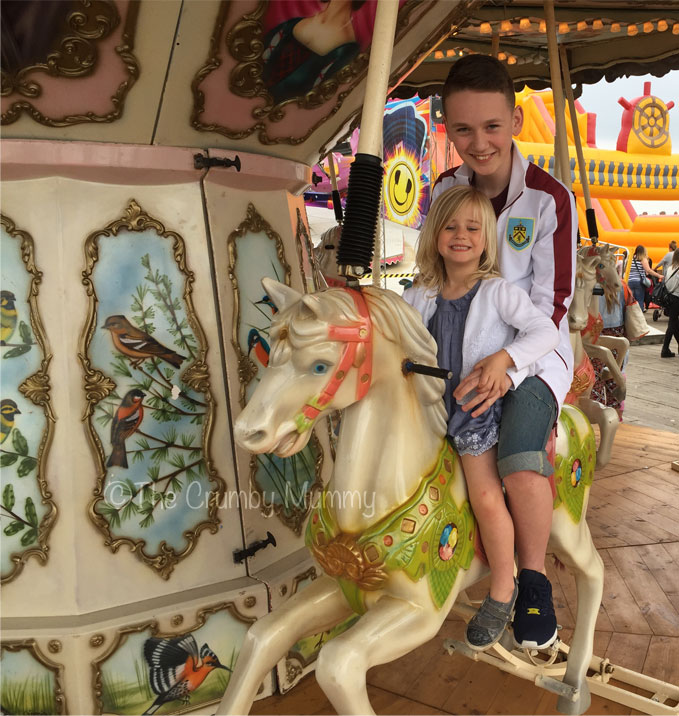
[(319, 368), (329, 247)]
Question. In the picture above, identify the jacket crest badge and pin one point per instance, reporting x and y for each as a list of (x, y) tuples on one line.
[(520, 231)]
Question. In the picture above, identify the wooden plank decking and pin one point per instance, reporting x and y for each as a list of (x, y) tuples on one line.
[(634, 519)]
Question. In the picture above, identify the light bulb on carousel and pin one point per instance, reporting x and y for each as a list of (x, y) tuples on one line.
[(632, 30)]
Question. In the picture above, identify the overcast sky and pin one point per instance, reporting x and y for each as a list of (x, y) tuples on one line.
[(602, 99)]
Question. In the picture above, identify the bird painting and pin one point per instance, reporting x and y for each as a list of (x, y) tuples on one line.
[(177, 668), (8, 316), (257, 343), (126, 421), (8, 409), (138, 345), (266, 300)]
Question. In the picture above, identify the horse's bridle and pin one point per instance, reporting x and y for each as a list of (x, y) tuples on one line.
[(353, 337)]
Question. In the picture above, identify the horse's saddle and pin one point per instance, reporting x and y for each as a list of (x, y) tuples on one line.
[(429, 535)]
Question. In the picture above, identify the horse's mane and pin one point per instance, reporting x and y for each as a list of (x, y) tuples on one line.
[(391, 316)]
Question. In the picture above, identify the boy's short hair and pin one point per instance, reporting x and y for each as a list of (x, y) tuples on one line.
[(481, 73)]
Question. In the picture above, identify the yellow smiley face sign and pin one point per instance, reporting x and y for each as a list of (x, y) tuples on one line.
[(401, 188)]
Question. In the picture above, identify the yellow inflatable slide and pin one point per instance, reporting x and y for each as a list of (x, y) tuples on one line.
[(641, 167)]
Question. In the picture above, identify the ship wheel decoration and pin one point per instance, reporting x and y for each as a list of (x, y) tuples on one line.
[(651, 122)]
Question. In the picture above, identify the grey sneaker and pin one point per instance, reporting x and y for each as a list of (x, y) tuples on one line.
[(486, 626)]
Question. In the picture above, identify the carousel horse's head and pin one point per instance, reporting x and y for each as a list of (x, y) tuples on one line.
[(585, 280), (606, 271), (328, 350)]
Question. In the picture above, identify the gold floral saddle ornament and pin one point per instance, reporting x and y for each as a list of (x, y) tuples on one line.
[(429, 535)]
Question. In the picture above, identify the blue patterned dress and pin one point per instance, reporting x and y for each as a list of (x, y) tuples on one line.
[(471, 436)]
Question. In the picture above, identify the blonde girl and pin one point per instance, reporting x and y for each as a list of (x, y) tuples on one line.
[(485, 329)]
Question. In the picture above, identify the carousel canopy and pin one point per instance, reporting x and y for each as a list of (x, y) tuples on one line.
[(603, 38)]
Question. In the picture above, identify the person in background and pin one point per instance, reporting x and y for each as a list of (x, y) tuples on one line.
[(639, 272), (672, 285), (666, 261)]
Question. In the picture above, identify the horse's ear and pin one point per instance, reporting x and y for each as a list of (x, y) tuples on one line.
[(283, 296), (312, 304)]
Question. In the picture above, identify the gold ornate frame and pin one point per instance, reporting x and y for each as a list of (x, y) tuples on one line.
[(304, 245), (98, 386), (36, 388), (119, 639), (244, 42), (32, 646), (64, 62), (255, 223)]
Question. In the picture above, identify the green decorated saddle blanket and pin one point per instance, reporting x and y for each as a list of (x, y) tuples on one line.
[(427, 536)]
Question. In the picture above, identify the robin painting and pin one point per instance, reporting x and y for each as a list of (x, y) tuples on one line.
[(126, 421), (138, 345), (177, 668)]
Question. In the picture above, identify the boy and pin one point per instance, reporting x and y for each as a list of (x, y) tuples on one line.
[(536, 249)]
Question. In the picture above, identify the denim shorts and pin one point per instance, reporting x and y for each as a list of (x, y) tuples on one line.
[(528, 416)]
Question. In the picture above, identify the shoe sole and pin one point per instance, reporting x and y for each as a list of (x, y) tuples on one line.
[(473, 647), (534, 645)]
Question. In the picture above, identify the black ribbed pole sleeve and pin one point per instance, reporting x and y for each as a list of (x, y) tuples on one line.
[(591, 224), (337, 205), (357, 241)]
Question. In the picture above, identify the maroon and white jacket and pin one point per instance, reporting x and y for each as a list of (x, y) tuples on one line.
[(537, 236)]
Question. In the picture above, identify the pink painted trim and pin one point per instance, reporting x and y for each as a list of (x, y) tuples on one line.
[(143, 164)]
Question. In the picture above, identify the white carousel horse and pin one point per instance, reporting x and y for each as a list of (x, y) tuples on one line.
[(579, 319), (596, 345), (325, 256), (401, 557)]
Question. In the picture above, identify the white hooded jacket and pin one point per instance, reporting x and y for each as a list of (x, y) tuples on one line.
[(497, 311)]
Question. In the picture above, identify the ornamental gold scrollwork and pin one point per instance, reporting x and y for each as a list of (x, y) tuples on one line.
[(31, 646), (305, 247), (343, 558), (452, 21), (244, 41), (98, 386), (36, 388), (75, 54), (254, 223)]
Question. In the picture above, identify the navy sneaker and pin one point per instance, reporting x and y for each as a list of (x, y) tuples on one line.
[(534, 618)]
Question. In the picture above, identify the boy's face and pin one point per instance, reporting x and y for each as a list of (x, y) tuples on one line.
[(481, 126)]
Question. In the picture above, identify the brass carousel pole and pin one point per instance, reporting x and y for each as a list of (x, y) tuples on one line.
[(582, 168), (561, 159)]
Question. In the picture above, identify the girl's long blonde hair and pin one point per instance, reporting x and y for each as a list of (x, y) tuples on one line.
[(432, 270)]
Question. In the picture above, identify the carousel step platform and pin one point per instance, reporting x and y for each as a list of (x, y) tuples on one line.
[(653, 336)]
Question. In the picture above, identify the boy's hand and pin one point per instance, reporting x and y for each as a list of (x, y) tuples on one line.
[(489, 378)]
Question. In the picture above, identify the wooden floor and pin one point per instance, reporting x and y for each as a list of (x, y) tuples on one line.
[(634, 519)]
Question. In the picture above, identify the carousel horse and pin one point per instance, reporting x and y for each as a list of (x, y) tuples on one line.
[(596, 345), (400, 558), (580, 322)]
